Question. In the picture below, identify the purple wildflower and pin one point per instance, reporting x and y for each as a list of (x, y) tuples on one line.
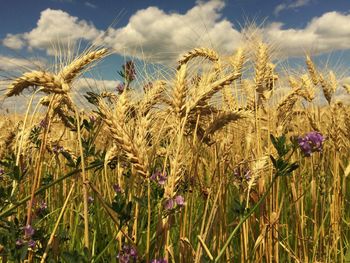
[(242, 173), (162, 179), (90, 200), (311, 142), (117, 188), (19, 242), (28, 231), (129, 71), (123, 258), (41, 207), (31, 244), (248, 175), (120, 88), (169, 204), (180, 201), (92, 118), (133, 252), (159, 177), (127, 254), (57, 149), (43, 123), (155, 175)]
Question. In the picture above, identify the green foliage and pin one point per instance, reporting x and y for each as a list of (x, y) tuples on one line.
[(123, 208), (281, 164)]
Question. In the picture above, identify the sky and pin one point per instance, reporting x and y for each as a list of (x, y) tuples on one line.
[(159, 31)]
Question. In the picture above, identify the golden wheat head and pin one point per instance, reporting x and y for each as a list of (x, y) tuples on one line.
[(75, 68), (47, 80)]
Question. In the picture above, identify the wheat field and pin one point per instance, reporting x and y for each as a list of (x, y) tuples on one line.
[(226, 159)]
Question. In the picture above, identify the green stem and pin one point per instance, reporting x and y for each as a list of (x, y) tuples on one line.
[(8, 211), (250, 212)]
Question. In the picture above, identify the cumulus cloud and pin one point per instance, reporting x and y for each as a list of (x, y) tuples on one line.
[(322, 34), (293, 5), (13, 41), (96, 85), (54, 26), (59, 26), (155, 34), (159, 36), (171, 34), (20, 64)]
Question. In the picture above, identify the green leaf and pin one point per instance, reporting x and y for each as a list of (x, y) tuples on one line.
[(23, 251), (274, 162), (16, 173)]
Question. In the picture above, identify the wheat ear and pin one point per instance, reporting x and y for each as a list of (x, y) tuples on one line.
[(75, 68), (180, 90), (326, 88), (312, 70), (237, 61), (347, 87), (199, 52), (210, 90), (151, 97), (123, 138), (224, 118), (260, 65), (49, 81)]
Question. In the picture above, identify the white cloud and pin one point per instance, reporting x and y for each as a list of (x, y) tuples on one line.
[(20, 64), (164, 38), (153, 33), (54, 26), (322, 34), (58, 26), (13, 41), (293, 5), (159, 36), (91, 5), (279, 8), (97, 85)]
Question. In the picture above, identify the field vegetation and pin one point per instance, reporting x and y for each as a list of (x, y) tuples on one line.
[(226, 159)]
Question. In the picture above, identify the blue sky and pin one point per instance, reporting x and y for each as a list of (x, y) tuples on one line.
[(22, 15), (160, 30)]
